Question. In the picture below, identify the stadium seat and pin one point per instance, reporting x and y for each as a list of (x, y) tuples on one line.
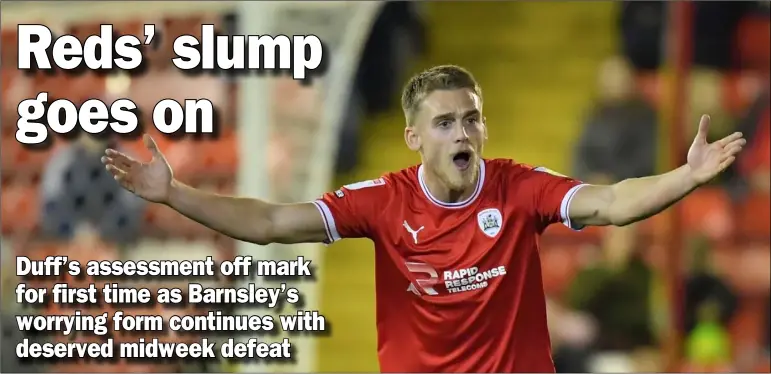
[(560, 264), (20, 163), (746, 327), (740, 89), (764, 366), (217, 159), (15, 88), (83, 30), (650, 86), (707, 211), (20, 210), (754, 218), (74, 88), (9, 47), (744, 266), (752, 39), (173, 27), (195, 161)]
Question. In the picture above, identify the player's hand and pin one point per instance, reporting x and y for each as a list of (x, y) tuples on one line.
[(707, 160), (148, 180)]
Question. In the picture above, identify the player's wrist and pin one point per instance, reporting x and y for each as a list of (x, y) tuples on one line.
[(689, 178), (173, 192)]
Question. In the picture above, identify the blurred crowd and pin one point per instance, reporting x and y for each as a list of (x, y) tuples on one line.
[(611, 315)]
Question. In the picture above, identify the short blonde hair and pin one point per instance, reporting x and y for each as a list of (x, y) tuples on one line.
[(443, 77)]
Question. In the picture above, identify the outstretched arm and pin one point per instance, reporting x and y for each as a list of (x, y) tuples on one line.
[(636, 199), (246, 219)]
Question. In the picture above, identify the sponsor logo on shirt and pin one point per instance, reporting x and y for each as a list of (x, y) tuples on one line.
[(455, 281), (471, 278)]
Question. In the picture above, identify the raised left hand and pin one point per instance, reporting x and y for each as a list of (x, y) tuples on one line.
[(707, 160)]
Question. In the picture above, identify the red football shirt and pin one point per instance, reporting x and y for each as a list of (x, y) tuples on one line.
[(458, 286)]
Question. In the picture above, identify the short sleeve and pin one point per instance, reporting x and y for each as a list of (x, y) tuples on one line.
[(351, 211), (553, 195)]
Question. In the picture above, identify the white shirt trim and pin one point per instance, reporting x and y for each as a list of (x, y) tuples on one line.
[(456, 205), (565, 208), (329, 221)]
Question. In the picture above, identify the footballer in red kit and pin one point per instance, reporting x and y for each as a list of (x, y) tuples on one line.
[(458, 274), (458, 284)]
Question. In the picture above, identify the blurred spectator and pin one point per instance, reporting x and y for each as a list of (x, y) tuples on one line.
[(618, 142), (706, 97), (77, 191), (707, 347), (709, 306), (752, 169), (617, 296), (642, 27), (756, 164), (397, 36), (703, 287), (714, 26), (572, 334), (607, 309), (619, 137), (643, 24)]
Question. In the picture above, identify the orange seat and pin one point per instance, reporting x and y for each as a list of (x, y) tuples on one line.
[(650, 87), (137, 149), (218, 158), (20, 209), (754, 217), (744, 267), (83, 30), (170, 29), (707, 211), (19, 162), (560, 264), (753, 37), (9, 47), (764, 366), (9, 77), (73, 88), (734, 98), (746, 328)]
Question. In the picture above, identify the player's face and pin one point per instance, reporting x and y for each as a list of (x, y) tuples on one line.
[(449, 131)]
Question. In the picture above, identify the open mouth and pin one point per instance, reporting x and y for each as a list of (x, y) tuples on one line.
[(462, 160)]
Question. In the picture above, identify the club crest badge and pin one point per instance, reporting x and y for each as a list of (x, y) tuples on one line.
[(490, 221)]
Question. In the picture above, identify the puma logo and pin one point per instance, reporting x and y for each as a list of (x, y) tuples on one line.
[(414, 233)]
